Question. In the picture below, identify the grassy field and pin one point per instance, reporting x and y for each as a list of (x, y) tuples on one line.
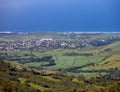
[(63, 61)]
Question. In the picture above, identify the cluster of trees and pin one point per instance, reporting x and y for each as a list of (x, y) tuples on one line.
[(78, 54), (30, 58), (112, 73), (75, 68), (105, 41), (43, 59)]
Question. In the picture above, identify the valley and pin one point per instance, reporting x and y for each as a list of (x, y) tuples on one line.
[(74, 62)]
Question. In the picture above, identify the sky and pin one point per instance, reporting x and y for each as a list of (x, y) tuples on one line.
[(60, 15)]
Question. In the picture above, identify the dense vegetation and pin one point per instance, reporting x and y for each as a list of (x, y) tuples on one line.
[(22, 79)]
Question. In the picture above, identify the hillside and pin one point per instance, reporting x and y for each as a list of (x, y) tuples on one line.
[(23, 79), (30, 80), (111, 60), (9, 79)]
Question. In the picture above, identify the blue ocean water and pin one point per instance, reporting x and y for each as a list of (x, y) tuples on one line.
[(60, 15)]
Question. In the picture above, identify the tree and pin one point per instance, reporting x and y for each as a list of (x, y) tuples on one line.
[(51, 62)]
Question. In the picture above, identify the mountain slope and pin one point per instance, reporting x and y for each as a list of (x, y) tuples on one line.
[(13, 79), (111, 60)]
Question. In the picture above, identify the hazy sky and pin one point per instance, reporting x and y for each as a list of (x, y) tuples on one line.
[(59, 15)]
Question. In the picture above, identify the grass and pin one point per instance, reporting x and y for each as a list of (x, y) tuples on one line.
[(50, 78), (75, 80), (33, 64), (111, 62), (70, 61), (87, 75), (42, 89), (22, 80)]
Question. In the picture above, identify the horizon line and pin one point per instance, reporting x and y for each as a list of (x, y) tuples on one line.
[(8, 32)]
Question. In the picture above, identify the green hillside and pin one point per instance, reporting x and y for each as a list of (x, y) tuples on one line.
[(111, 60), (23, 79)]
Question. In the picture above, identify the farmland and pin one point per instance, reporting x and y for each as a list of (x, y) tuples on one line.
[(68, 53)]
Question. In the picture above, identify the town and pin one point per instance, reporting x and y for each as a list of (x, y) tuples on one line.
[(50, 43)]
